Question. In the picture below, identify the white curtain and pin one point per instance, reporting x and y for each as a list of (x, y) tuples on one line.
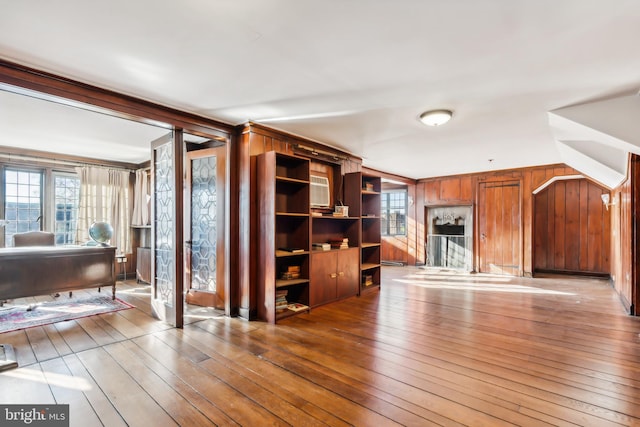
[(141, 197), (104, 196)]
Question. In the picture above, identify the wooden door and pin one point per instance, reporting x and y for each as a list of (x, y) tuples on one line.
[(205, 248), (348, 271), (324, 277), (167, 252), (499, 228)]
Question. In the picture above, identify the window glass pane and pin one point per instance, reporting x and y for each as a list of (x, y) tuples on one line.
[(67, 194), (11, 177), (23, 202), (394, 212)]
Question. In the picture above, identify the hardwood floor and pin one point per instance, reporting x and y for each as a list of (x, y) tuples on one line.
[(427, 349)]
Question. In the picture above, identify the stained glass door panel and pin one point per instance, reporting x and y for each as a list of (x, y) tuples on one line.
[(205, 249), (167, 256)]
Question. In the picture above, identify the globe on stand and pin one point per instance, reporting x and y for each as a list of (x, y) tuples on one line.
[(101, 232)]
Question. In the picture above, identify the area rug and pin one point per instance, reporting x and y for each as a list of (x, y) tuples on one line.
[(16, 317)]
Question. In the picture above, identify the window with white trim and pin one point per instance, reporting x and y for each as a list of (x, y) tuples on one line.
[(394, 212)]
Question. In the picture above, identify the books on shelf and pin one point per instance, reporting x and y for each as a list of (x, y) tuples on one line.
[(367, 280), (322, 246), (292, 272), (281, 300), (292, 250), (296, 306), (342, 243), (339, 243)]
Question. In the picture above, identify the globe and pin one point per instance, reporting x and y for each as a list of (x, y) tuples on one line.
[(101, 232)]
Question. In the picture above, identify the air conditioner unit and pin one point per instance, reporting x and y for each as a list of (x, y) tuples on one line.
[(320, 194)]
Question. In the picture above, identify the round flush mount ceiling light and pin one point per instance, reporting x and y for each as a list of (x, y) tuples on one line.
[(436, 117)]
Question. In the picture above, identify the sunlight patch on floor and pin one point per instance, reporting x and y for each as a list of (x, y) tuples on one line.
[(51, 378), (485, 287), (140, 291)]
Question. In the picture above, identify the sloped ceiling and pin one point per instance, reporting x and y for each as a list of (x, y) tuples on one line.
[(596, 137), (351, 74)]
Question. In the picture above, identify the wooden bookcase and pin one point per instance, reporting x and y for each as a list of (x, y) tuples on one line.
[(334, 272), (366, 203), (284, 232)]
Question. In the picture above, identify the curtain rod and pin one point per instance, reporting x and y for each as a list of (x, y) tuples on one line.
[(20, 157)]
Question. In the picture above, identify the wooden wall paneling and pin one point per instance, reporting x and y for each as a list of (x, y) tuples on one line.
[(246, 224), (572, 228), (594, 226), (414, 228), (541, 202), (526, 222), (234, 225), (432, 192), (466, 189), (584, 230), (450, 189), (538, 177), (514, 219), (606, 237), (571, 251), (625, 256), (551, 243), (420, 218), (481, 227), (559, 226), (632, 196)]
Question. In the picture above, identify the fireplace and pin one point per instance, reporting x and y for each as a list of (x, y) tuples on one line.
[(449, 237)]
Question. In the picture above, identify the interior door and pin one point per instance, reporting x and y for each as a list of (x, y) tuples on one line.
[(204, 234), (499, 228), (167, 266)]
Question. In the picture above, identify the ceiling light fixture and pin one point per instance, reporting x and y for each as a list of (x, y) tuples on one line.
[(436, 117)]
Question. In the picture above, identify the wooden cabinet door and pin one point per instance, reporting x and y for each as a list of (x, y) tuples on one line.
[(499, 228), (348, 272), (322, 288)]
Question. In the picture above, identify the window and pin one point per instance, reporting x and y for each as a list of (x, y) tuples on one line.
[(23, 202), (394, 213), (66, 197), (33, 201)]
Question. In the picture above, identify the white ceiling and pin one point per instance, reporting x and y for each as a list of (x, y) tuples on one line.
[(352, 74)]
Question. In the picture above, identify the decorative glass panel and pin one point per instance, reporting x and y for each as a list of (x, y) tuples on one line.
[(164, 268), (203, 224)]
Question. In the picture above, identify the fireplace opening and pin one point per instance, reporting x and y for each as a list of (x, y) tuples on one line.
[(449, 237)]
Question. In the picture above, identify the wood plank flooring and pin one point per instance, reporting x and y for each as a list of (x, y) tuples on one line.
[(430, 348)]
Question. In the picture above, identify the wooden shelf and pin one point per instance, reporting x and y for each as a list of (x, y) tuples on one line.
[(280, 283), (283, 222), (280, 253), (331, 217), (366, 202), (368, 266), (292, 180), (370, 245)]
